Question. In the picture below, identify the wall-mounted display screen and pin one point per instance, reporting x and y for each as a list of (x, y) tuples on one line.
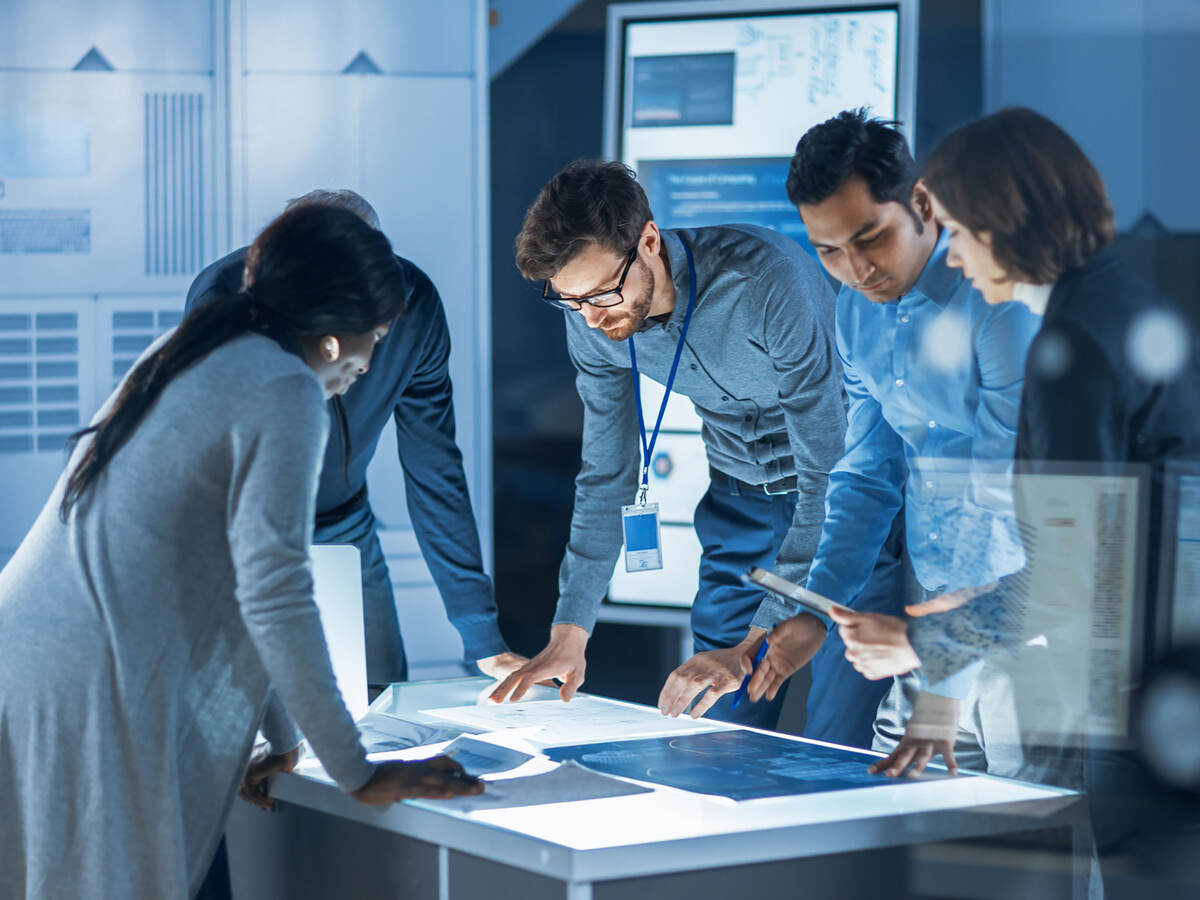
[(711, 106)]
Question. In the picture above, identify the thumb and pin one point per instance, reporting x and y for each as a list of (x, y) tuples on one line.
[(746, 663), (948, 756), (570, 685), (842, 616)]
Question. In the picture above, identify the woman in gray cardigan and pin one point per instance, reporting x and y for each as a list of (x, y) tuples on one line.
[(165, 585)]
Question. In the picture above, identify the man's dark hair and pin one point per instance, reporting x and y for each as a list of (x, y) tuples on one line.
[(852, 143), (588, 202), (1019, 177)]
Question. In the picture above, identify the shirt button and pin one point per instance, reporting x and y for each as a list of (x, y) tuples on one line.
[(724, 398), (933, 535), (932, 424), (693, 366), (929, 484), (904, 319), (748, 418), (899, 382)]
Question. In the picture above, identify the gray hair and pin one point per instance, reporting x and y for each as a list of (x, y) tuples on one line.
[(342, 199)]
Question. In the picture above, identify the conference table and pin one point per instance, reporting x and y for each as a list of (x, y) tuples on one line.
[(833, 837)]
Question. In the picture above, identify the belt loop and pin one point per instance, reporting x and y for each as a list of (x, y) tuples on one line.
[(725, 482)]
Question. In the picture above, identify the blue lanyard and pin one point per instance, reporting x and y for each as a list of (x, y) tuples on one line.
[(648, 448)]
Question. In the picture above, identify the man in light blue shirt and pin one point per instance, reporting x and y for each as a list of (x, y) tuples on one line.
[(933, 375)]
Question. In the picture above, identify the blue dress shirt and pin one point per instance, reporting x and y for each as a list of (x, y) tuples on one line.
[(934, 383)]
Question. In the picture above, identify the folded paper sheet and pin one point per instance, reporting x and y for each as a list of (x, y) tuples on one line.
[(567, 783), (381, 733), (483, 758)]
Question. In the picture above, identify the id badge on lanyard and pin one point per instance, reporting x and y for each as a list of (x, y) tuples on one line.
[(639, 521), (643, 537)]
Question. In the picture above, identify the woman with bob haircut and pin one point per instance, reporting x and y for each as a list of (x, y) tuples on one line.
[(165, 586), (1112, 375)]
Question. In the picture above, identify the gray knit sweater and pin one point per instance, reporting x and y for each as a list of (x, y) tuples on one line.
[(138, 641)]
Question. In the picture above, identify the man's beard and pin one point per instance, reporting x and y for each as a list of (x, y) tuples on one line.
[(636, 310)]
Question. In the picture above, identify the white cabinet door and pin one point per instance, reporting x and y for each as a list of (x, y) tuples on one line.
[(107, 181), (319, 36), (164, 36)]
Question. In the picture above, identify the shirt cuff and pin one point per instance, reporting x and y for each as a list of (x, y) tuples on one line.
[(573, 611), (773, 610), (278, 728), (353, 776), (481, 639)]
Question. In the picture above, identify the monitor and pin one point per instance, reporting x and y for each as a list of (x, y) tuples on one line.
[(706, 100), (1177, 620)]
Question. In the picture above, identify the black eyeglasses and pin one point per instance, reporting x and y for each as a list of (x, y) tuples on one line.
[(601, 299)]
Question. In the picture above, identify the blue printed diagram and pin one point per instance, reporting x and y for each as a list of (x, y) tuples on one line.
[(693, 89), (741, 765)]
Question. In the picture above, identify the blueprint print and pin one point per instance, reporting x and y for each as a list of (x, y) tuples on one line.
[(741, 765)]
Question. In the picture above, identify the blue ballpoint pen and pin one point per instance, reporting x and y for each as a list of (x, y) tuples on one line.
[(758, 657)]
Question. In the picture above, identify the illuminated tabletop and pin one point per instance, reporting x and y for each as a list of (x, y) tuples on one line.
[(588, 844)]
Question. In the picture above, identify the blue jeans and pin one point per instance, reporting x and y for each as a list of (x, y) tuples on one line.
[(385, 648), (739, 529)]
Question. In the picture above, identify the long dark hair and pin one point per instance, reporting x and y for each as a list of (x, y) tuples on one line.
[(315, 270), (1019, 177)]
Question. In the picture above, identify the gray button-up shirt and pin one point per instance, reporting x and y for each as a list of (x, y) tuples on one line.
[(761, 367)]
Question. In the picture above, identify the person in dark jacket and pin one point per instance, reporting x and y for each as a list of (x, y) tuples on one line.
[(409, 382), (1112, 379)]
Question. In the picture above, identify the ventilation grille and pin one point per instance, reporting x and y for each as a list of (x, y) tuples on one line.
[(39, 380), (174, 183), (135, 330)]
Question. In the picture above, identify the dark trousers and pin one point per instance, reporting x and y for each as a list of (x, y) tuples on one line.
[(216, 884), (739, 529)]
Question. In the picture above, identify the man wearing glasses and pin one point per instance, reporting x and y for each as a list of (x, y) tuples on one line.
[(740, 320)]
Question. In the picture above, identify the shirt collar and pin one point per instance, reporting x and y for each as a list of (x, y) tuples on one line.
[(937, 281), (1035, 296), (679, 275)]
